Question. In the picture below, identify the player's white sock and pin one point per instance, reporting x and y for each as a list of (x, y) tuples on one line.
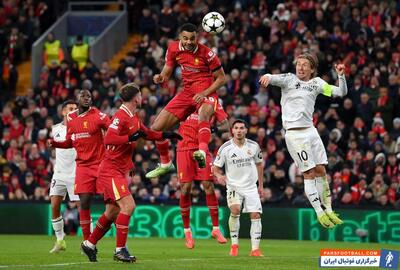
[(92, 226), (215, 228), (58, 227), (312, 194), (324, 192), (186, 230), (165, 165), (255, 233), (89, 244), (234, 225)]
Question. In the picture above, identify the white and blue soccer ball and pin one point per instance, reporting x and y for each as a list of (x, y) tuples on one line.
[(213, 22)]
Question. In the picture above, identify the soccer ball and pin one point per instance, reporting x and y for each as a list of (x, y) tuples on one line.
[(213, 22)]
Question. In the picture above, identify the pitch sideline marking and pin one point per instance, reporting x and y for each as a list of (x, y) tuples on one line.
[(149, 260)]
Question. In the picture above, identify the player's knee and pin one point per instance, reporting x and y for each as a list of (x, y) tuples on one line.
[(255, 216), (320, 170), (235, 210), (208, 187), (186, 189), (310, 174)]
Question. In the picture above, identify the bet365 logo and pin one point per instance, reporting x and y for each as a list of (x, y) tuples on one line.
[(379, 226)]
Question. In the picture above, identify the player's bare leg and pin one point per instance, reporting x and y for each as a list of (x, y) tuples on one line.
[(185, 204), (212, 204), (85, 219), (58, 224), (255, 235), (205, 113), (324, 193), (234, 226), (164, 121), (127, 205), (102, 226), (311, 191)]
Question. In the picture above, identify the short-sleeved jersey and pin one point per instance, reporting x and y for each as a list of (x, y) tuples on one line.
[(197, 66), (240, 163), (189, 129), (298, 98), (119, 157), (64, 168), (86, 132)]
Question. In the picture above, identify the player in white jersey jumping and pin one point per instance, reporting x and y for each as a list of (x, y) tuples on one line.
[(304, 144), (243, 163), (63, 177)]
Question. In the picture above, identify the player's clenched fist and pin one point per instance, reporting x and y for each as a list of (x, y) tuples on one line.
[(264, 80), (340, 68), (158, 78), (50, 143)]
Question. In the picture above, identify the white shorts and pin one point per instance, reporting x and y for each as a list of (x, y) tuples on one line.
[(306, 148), (61, 188), (250, 199)]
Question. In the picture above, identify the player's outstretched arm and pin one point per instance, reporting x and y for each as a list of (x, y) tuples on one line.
[(153, 135), (64, 144), (275, 79), (332, 90), (164, 75)]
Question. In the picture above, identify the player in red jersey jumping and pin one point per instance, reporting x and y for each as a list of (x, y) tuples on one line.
[(85, 129), (119, 139), (202, 75), (189, 171)]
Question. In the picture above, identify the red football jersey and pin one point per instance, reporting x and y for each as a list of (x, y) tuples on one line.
[(86, 132), (189, 129), (197, 66), (119, 157)]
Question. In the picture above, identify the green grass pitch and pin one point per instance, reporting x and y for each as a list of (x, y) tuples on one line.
[(32, 252)]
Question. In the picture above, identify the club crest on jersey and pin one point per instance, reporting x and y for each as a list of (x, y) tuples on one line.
[(249, 152), (196, 61), (85, 124), (123, 188), (114, 123)]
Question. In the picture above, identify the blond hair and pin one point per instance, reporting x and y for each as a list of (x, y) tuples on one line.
[(312, 59)]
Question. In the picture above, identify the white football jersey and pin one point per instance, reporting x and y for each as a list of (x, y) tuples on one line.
[(298, 97), (65, 166), (240, 163)]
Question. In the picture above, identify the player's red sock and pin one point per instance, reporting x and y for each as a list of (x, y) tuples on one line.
[(163, 148), (204, 135), (102, 226), (122, 224), (84, 220), (212, 204), (185, 203)]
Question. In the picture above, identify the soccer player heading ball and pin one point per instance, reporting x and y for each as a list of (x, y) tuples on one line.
[(202, 75), (304, 144)]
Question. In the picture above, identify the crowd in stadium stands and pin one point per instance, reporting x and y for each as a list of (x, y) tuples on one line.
[(361, 132)]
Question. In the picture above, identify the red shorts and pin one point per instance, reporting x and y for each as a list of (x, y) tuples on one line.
[(86, 180), (188, 170), (183, 105), (115, 185)]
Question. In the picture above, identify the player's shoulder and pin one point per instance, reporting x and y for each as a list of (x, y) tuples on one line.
[(98, 113), (252, 143), (174, 46), (226, 146), (72, 115), (58, 126)]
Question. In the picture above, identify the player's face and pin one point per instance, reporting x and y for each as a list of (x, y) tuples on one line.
[(138, 99), (85, 99), (69, 108), (188, 40), (303, 69), (239, 131)]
